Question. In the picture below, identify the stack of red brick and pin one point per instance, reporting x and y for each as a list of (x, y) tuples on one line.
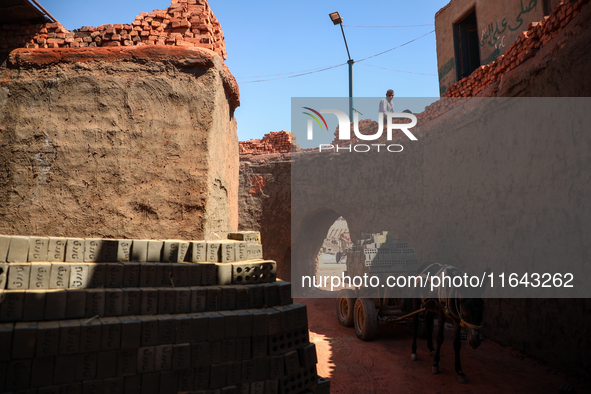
[(189, 23), (274, 142), (525, 46)]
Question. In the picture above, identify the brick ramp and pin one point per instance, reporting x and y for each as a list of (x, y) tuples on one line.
[(384, 365)]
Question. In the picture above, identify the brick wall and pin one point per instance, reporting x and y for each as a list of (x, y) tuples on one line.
[(526, 46), (189, 23), (274, 142)]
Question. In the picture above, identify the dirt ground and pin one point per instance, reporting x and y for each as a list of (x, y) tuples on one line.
[(384, 365)]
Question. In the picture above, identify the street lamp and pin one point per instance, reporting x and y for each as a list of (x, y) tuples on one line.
[(337, 20)]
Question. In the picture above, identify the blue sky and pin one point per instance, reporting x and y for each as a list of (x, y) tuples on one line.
[(266, 38)]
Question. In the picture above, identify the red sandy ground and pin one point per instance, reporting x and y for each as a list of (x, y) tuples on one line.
[(384, 365)]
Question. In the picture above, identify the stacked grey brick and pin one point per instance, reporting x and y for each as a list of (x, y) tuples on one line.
[(144, 316)]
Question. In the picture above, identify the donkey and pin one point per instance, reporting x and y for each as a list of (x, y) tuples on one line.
[(448, 302)]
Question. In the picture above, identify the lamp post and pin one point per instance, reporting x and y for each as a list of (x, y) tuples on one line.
[(337, 20)]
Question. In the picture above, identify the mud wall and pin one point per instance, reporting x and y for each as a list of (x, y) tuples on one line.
[(127, 143)]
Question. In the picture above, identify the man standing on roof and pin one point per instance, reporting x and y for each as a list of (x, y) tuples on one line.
[(386, 104)]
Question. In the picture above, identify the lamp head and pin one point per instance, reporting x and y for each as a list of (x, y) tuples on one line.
[(335, 18)]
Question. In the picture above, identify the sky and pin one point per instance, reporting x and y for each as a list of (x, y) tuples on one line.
[(271, 43)]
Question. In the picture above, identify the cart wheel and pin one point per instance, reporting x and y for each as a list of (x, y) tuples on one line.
[(345, 304), (366, 319)]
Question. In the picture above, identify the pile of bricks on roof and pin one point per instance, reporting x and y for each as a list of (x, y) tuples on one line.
[(274, 142), (189, 23), (525, 46), (150, 316)]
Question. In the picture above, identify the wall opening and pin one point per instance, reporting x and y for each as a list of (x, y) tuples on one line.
[(331, 259), (467, 52)]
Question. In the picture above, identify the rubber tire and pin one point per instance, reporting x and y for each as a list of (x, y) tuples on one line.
[(345, 307), (366, 319)]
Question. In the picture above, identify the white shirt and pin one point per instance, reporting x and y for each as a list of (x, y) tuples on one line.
[(386, 106)]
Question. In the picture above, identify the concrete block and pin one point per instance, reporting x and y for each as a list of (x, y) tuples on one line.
[(292, 362), (69, 341), (274, 323), (241, 250), (86, 366), (18, 276), (228, 298), (215, 352), (216, 327), (132, 301), (6, 330), (198, 299), (78, 276), (202, 374), (106, 365), (95, 302), (257, 387), (182, 300), (131, 332), (169, 381), (276, 367), (259, 346), (56, 250), (174, 251), (163, 358), (127, 362), (217, 379), (93, 387), (38, 248), (70, 388), (209, 274), (164, 276), (18, 249), (228, 350), (272, 386), (166, 329), (322, 386), (11, 309), (23, 340), (55, 304), (259, 322), (132, 384), (181, 273), (200, 327), (47, 341), (3, 275), (97, 275), (254, 252), (146, 358), (110, 333), (184, 328), (149, 301), (243, 350), (245, 324), (214, 298), (113, 302), (42, 371), (149, 330), (230, 324), (60, 276), (257, 296), (75, 250), (250, 237), (64, 365), (114, 275), (181, 356), (131, 275), (195, 274), (124, 250), (198, 251), (224, 271), (4, 244), (40, 275), (149, 274), (151, 383), (213, 251), (109, 251), (301, 314), (90, 335), (92, 249), (284, 293), (166, 300), (308, 356), (248, 371), (200, 354), (18, 375), (113, 386), (139, 251), (263, 366), (186, 380), (227, 252), (75, 304), (242, 297), (155, 251), (234, 373), (34, 305)]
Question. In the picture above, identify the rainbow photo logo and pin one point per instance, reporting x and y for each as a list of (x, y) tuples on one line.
[(384, 123)]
